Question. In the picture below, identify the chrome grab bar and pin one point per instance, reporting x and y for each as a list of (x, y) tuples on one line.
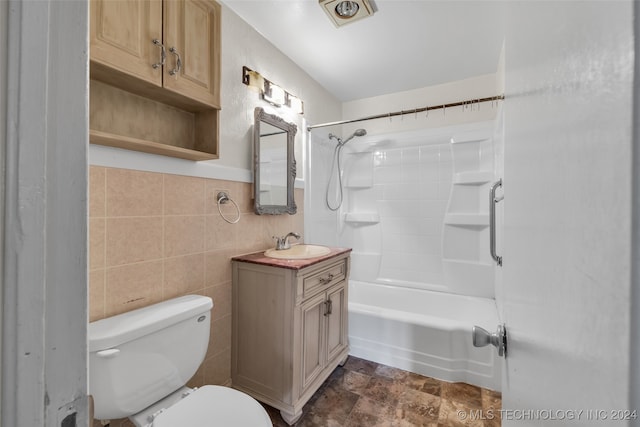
[(492, 220)]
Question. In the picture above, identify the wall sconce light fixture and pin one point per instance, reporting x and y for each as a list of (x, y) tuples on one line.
[(271, 92)]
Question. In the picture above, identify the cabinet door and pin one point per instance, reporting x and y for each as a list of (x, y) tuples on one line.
[(337, 320), (192, 32), (313, 318), (122, 34)]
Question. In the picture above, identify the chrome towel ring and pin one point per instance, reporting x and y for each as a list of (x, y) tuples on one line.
[(223, 198)]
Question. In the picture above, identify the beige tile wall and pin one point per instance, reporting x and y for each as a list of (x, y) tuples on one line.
[(157, 236)]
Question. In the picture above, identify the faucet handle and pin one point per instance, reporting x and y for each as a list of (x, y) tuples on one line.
[(283, 242), (280, 242)]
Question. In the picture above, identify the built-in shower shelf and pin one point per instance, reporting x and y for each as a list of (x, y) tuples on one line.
[(467, 219), (362, 217), (359, 185), (473, 177)]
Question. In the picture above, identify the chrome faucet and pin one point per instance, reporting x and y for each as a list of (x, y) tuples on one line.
[(283, 242)]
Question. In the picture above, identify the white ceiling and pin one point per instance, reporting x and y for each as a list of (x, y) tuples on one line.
[(406, 44)]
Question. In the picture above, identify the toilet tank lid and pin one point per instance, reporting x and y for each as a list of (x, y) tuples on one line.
[(113, 331)]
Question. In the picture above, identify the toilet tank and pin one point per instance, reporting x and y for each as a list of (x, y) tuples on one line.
[(139, 357)]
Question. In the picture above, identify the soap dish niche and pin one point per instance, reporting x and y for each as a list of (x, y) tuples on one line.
[(362, 218)]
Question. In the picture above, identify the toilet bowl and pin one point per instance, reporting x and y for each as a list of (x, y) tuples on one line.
[(206, 406), (140, 361)]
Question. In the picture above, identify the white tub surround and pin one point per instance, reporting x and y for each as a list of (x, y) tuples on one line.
[(416, 209), (416, 213), (466, 261)]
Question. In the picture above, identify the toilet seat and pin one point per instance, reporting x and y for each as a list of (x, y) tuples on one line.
[(213, 406)]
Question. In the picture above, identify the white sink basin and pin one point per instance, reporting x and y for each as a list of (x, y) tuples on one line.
[(298, 252)]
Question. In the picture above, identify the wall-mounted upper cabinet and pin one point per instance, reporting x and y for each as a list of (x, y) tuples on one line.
[(167, 52), (122, 39), (192, 31), (175, 44)]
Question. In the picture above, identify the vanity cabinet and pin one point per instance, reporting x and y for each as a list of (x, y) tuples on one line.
[(289, 327), (168, 54)]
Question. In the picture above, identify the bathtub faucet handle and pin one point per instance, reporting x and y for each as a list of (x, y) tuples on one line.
[(482, 337)]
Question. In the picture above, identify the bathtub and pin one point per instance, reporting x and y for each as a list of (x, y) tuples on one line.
[(425, 332)]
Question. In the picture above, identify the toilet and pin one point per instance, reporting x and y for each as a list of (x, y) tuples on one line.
[(140, 361)]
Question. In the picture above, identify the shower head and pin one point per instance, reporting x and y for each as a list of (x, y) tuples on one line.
[(358, 132)]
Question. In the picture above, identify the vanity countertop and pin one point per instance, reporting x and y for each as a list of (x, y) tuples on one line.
[(292, 264)]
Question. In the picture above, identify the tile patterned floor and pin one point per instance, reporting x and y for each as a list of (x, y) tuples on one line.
[(367, 394)]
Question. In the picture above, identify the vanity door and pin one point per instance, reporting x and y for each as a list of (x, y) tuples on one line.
[(312, 330), (336, 320)]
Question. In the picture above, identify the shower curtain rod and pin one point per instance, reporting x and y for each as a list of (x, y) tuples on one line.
[(414, 111)]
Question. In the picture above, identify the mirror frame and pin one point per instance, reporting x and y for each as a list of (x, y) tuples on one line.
[(290, 129)]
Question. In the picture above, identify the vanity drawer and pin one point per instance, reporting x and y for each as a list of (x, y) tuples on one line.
[(324, 278)]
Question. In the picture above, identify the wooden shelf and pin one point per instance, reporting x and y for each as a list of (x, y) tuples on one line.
[(120, 141), (119, 118)]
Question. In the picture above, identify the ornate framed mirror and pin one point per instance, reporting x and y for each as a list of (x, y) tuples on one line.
[(274, 165)]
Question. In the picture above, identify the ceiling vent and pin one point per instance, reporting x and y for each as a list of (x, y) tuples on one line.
[(343, 12)]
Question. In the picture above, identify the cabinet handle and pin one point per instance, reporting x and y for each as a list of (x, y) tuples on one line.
[(325, 280), (163, 54), (178, 62), (328, 307)]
